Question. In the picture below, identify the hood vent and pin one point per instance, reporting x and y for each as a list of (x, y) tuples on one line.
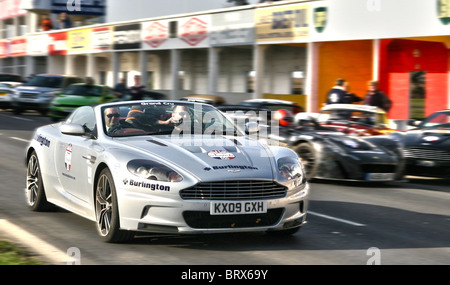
[(157, 142)]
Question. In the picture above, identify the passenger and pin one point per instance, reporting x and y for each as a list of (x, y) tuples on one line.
[(180, 114)]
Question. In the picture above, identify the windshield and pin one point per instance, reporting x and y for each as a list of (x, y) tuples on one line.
[(440, 120), (83, 90), (165, 118), (352, 116), (45, 81), (11, 77)]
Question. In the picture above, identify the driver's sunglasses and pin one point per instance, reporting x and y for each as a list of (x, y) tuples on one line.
[(113, 115)]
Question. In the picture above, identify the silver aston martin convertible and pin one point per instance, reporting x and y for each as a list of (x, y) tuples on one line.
[(164, 167)]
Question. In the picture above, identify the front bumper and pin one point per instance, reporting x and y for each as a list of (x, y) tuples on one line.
[(424, 167), (41, 104), (360, 166), (171, 214)]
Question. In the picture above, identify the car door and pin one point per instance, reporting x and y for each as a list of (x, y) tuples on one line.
[(75, 156)]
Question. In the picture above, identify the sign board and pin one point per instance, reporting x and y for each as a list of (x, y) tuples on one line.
[(101, 39), (232, 28), (79, 41), (57, 44), (127, 37), (290, 23)]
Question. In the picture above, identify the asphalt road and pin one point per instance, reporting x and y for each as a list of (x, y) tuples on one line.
[(348, 223)]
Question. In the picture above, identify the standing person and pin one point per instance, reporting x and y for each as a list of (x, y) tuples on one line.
[(46, 23), (137, 91), (337, 94), (375, 97), (64, 21), (121, 89)]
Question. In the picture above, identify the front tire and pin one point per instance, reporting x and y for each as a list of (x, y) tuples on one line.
[(107, 210), (35, 192)]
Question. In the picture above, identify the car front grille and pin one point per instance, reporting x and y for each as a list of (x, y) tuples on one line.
[(426, 154), (234, 190), (29, 95)]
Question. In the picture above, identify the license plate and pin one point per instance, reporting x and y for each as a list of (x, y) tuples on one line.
[(238, 207), (379, 176)]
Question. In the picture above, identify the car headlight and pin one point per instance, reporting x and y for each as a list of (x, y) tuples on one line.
[(152, 170), (291, 169)]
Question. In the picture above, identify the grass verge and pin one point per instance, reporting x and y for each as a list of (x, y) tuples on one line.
[(13, 255)]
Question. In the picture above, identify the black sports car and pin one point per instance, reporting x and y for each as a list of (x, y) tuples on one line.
[(330, 154), (427, 147)]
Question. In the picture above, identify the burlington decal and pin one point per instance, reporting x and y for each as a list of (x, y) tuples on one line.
[(226, 167), (146, 185), (43, 141)]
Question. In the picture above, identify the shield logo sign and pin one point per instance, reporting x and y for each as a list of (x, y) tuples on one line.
[(320, 18), (443, 10)]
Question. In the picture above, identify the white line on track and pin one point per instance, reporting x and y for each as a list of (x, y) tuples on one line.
[(336, 219), (49, 252), (17, 118), (19, 139)]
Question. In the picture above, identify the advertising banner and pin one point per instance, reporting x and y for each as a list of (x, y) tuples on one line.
[(155, 34), (79, 41), (57, 44), (38, 45), (235, 28), (289, 23), (127, 37), (101, 39), (4, 45), (193, 31), (18, 46)]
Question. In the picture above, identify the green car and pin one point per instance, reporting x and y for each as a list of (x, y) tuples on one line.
[(77, 95)]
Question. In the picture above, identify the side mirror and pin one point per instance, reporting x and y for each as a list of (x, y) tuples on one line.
[(72, 130), (251, 127)]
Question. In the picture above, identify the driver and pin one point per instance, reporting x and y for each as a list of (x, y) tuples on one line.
[(112, 116)]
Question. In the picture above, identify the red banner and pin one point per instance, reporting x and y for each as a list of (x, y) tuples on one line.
[(18, 46), (57, 44), (4, 44)]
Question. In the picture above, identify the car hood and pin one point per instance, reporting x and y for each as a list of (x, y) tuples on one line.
[(212, 158), (35, 89), (76, 100), (427, 137)]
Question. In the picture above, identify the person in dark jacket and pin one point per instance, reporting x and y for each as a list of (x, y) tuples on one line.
[(137, 91), (375, 97), (337, 94)]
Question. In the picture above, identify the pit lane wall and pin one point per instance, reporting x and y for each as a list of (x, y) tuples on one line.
[(256, 51)]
